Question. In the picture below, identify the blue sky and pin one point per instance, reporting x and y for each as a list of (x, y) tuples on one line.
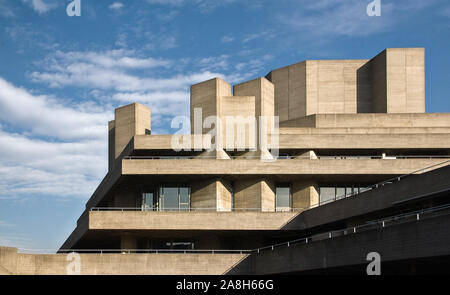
[(61, 77)]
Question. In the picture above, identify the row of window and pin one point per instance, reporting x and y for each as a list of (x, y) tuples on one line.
[(333, 193), (179, 198)]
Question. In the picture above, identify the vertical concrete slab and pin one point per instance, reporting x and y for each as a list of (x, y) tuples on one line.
[(254, 194), (205, 96), (130, 120), (305, 194), (111, 145), (213, 194)]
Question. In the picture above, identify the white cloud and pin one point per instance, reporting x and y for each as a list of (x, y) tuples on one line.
[(227, 39), (320, 19), (41, 6), (266, 35), (204, 6), (112, 70), (44, 116), (337, 18), (116, 6), (69, 160)]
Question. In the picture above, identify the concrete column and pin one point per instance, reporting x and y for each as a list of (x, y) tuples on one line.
[(111, 145), (205, 96), (254, 194), (307, 155), (305, 194), (130, 120), (211, 194)]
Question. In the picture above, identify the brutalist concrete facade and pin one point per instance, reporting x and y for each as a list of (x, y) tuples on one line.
[(343, 125)]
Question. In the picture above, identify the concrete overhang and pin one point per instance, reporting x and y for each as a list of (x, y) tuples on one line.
[(364, 141), (152, 220), (279, 167), (168, 142)]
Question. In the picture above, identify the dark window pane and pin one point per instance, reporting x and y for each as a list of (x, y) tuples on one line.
[(170, 198), (283, 198), (327, 194), (184, 195)]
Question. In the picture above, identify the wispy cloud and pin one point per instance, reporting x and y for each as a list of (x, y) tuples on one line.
[(227, 39), (323, 18), (330, 18), (42, 6), (204, 6), (57, 150), (116, 6)]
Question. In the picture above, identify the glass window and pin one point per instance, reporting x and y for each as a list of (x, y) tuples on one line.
[(184, 198), (283, 198), (174, 198), (327, 194), (340, 192), (170, 198), (147, 201)]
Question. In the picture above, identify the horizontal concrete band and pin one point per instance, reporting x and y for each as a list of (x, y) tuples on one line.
[(309, 138), (364, 141), (140, 220), (279, 167), (12, 262), (168, 142), (362, 130)]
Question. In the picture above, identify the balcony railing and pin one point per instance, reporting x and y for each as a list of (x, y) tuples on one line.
[(360, 191), (415, 216), (289, 157)]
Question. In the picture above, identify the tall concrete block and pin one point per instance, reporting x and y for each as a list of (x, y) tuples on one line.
[(238, 127), (391, 82), (398, 81), (205, 96), (111, 145), (130, 120), (264, 92)]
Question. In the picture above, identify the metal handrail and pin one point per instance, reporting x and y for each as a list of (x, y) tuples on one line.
[(213, 209), (417, 214), (369, 224), (282, 157)]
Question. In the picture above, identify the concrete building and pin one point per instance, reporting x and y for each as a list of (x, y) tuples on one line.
[(343, 126)]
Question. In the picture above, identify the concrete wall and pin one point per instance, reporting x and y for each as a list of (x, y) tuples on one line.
[(111, 145), (130, 120), (206, 95), (12, 262), (305, 167), (305, 194), (371, 121), (264, 92), (233, 109), (211, 194), (254, 194), (411, 240), (195, 220), (398, 79), (391, 82)]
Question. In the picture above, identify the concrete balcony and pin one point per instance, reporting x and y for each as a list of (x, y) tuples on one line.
[(279, 167), (364, 141), (12, 262), (153, 220)]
